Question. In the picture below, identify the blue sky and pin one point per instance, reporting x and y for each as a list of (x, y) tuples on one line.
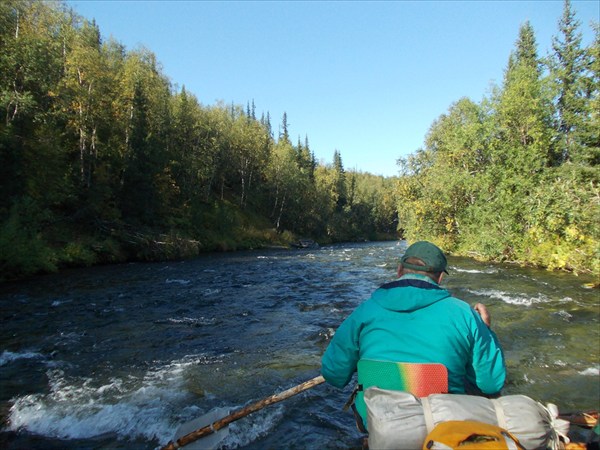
[(365, 78)]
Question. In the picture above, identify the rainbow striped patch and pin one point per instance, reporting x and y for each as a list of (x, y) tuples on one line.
[(420, 379)]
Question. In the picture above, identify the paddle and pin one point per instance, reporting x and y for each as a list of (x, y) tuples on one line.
[(209, 424), (585, 419)]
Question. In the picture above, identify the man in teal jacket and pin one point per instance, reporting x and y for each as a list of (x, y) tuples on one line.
[(414, 320)]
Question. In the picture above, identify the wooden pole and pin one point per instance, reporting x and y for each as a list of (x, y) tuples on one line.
[(242, 412)]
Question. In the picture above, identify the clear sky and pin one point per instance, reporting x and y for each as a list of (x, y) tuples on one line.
[(366, 78)]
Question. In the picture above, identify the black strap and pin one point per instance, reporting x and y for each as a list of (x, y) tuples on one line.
[(352, 404), (359, 422), (421, 284), (352, 397)]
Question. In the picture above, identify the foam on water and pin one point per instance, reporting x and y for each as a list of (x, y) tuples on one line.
[(177, 281), (591, 371), (7, 357), (566, 316), (191, 321), (253, 427), (56, 303), (514, 299), (484, 271), (130, 408), (208, 292)]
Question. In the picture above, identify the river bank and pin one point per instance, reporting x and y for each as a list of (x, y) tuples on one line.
[(114, 243), (63, 245)]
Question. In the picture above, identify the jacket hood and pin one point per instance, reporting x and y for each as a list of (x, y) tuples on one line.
[(409, 293)]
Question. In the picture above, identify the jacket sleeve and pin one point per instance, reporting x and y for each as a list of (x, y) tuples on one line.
[(341, 356), (488, 370)]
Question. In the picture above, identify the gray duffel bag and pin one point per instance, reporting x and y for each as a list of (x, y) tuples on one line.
[(399, 420)]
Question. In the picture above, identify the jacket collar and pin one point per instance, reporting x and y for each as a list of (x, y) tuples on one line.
[(413, 280)]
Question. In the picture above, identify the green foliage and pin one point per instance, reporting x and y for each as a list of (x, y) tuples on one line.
[(568, 67), (514, 178), (23, 251), (78, 254), (102, 160)]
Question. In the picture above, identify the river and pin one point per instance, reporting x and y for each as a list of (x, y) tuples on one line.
[(117, 357)]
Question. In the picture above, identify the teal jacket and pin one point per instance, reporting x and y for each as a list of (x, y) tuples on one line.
[(414, 320)]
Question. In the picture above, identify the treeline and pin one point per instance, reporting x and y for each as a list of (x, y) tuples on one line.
[(103, 160), (515, 177)]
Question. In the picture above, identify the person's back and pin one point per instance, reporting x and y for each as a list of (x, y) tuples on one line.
[(414, 320)]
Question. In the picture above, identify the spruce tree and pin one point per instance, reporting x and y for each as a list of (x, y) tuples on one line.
[(284, 134), (568, 65), (340, 189)]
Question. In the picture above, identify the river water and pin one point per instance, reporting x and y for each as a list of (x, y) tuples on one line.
[(117, 357)]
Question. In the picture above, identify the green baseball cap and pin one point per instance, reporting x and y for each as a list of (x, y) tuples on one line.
[(430, 254)]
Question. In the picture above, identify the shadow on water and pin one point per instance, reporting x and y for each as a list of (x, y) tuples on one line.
[(120, 356)]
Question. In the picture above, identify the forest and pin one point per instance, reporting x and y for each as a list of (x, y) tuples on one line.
[(104, 160), (515, 176)]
